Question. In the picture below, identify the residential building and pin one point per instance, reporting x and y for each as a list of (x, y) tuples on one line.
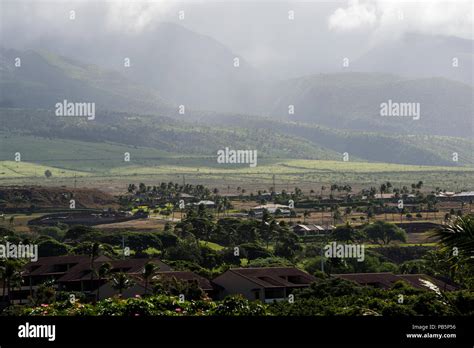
[(73, 273), (266, 284), (312, 230)]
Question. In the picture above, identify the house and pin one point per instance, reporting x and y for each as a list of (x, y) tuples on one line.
[(386, 280), (464, 196), (266, 284), (271, 209), (207, 204), (79, 277), (445, 194), (312, 230), (384, 196), (138, 288), (186, 276), (73, 273)]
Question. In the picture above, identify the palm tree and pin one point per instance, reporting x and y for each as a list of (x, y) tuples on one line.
[(103, 273), (148, 272), (10, 270), (4, 282), (95, 247), (347, 212), (305, 215), (458, 233), (121, 281)]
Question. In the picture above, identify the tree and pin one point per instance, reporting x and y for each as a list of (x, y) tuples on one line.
[(45, 293), (10, 271), (345, 233), (77, 231), (336, 215), (148, 272), (382, 232), (121, 281), (94, 252), (287, 245), (175, 287), (103, 274), (459, 234), (306, 214), (347, 212), (48, 174), (255, 251), (51, 247), (268, 230)]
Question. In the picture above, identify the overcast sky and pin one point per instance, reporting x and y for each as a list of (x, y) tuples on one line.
[(260, 31)]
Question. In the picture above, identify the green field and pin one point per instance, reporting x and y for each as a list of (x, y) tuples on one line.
[(289, 173), (93, 164)]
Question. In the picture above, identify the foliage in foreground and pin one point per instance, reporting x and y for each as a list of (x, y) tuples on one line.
[(327, 297), (160, 305)]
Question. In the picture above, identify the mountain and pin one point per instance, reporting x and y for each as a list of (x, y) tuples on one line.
[(187, 68), (368, 146), (353, 101), (334, 113), (44, 79), (201, 136), (145, 135), (421, 56)]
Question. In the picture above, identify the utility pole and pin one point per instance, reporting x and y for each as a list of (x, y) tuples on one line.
[(274, 188)]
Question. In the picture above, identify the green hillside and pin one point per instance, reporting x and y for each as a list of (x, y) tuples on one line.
[(161, 137), (352, 101), (43, 79), (369, 146)]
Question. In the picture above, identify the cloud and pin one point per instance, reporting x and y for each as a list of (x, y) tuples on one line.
[(135, 16), (356, 15), (394, 18)]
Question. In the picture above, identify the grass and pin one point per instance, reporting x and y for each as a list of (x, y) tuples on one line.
[(213, 246), (97, 162), (288, 173), (12, 169)]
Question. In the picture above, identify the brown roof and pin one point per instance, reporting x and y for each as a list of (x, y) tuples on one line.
[(46, 265), (386, 280), (77, 267), (129, 266), (275, 277), (415, 281), (203, 283)]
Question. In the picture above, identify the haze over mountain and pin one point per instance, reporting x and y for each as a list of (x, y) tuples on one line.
[(185, 67), (343, 100), (43, 79), (353, 101), (417, 55), (145, 69)]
